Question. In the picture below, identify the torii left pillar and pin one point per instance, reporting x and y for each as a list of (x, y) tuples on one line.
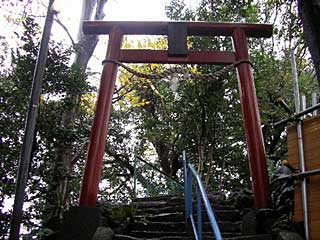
[(239, 32), (81, 222), (91, 178)]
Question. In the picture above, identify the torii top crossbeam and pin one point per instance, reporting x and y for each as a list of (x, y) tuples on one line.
[(177, 52), (193, 28)]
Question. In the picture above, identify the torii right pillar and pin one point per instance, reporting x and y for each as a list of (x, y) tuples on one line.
[(252, 123)]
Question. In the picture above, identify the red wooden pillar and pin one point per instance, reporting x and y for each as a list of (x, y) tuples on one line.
[(252, 123), (96, 149)]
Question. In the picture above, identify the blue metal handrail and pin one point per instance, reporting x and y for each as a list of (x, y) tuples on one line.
[(189, 172)]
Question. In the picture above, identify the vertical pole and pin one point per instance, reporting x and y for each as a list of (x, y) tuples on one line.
[(26, 150), (303, 104), (189, 191), (135, 176), (185, 184), (251, 117), (304, 190), (314, 102), (96, 149), (199, 214)]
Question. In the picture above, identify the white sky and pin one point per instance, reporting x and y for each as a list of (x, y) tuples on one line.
[(120, 10), (70, 11), (115, 10)]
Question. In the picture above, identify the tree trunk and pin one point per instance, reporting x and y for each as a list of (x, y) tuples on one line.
[(210, 167), (58, 194), (87, 43), (168, 157), (309, 11)]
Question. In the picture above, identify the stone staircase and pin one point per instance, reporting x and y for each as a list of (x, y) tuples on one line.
[(162, 218)]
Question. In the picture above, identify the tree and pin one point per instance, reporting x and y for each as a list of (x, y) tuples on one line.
[(264, 55), (148, 117), (67, 95), (66, 150), (309, 12), (60, 79), (171, 122)]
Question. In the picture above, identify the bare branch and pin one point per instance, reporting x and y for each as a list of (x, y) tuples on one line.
[(110, 162), (122, 87), (79, 153), (99, 13), (116, 99), (117, 90), (66, 30), (121, 159)]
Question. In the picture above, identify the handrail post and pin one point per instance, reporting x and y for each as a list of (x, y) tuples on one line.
[(135, 176), (304, 189), (189, 191), (189, 171), (184, 161), (201, 189), (199, 214)]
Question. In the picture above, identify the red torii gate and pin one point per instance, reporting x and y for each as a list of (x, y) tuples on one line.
[(177, 54)]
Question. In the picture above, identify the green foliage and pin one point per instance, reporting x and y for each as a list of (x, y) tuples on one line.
[(115, 216), (149, 118), (154, 183), (61, 82), (205, 117), (191, 118), (122, 213)]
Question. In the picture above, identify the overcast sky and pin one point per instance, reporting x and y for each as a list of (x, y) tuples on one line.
[(121, 10), (69, 14)]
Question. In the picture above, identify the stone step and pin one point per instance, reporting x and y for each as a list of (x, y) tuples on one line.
[(253, 237), (162, 218), (221, 215), (158, 198), (165, 208), (161, 234), (225, 226), (172, 200), (161, 204), (206, 236), (124, 237), (213, 195)]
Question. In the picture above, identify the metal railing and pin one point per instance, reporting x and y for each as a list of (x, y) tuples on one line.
[(190, 172)]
